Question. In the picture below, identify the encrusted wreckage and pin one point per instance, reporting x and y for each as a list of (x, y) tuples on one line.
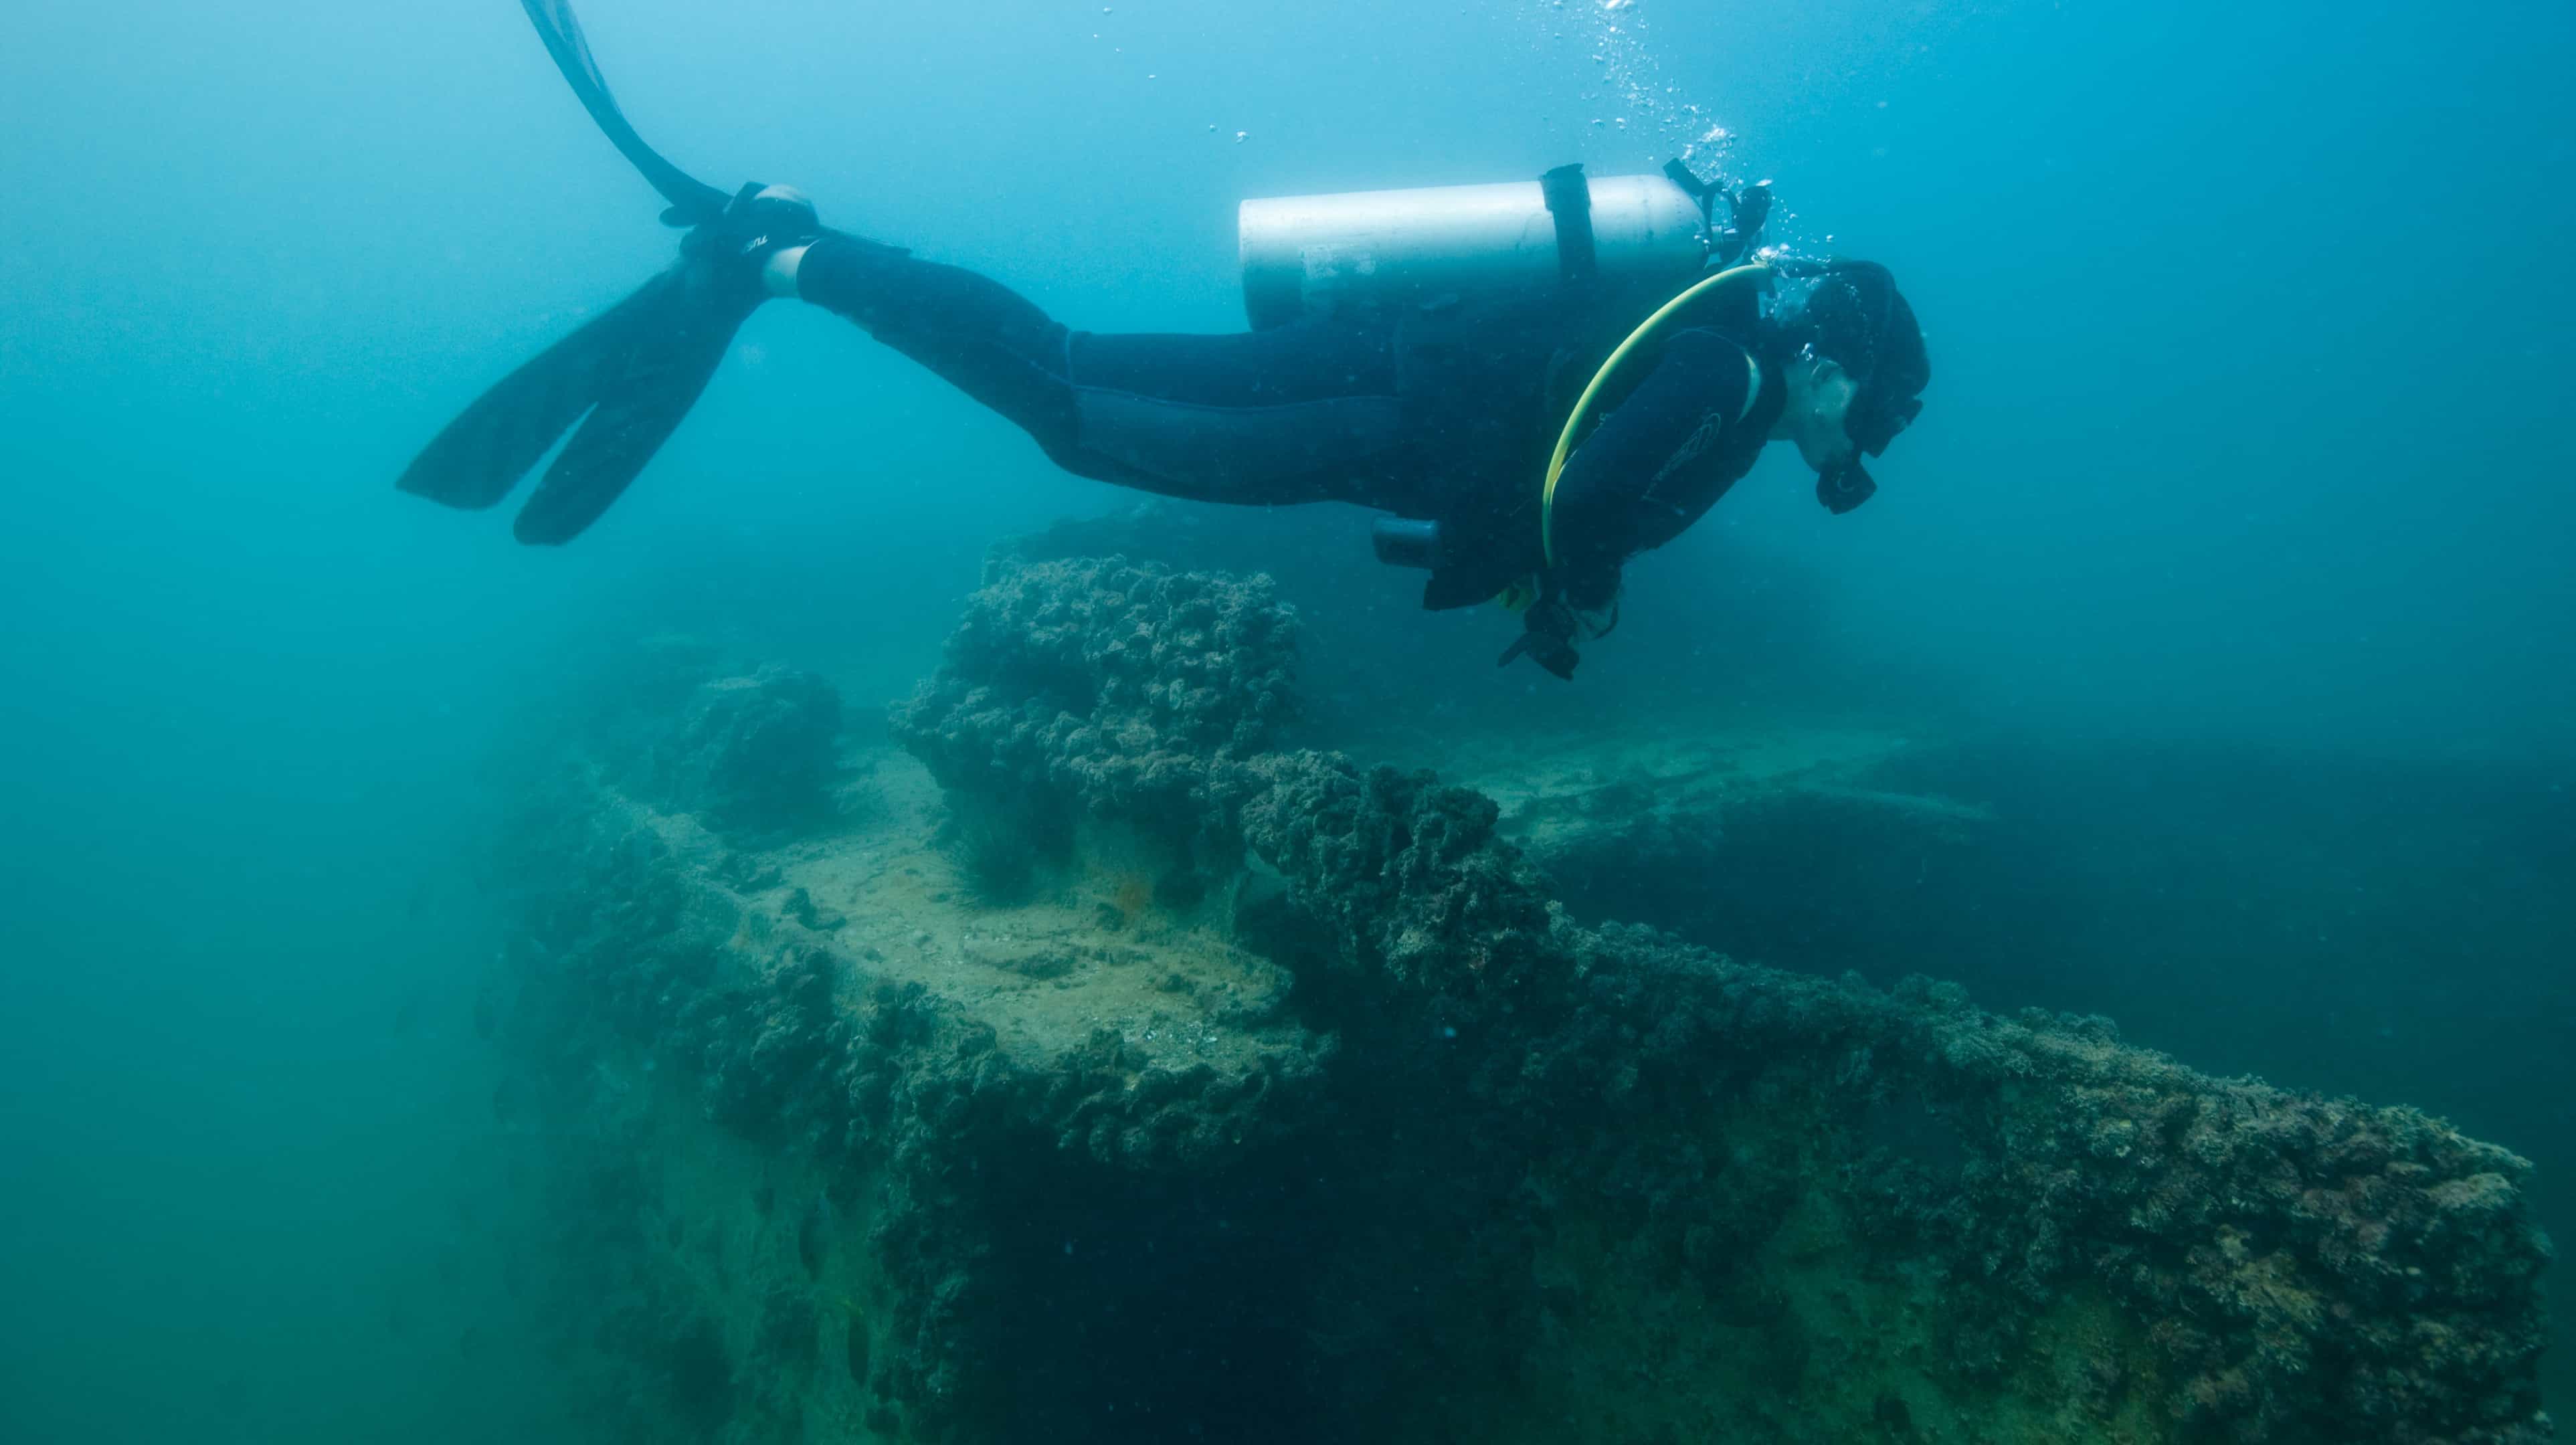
[(1135, 1076)]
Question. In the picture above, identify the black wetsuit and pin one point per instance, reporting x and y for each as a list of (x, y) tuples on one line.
[(1443, 412)]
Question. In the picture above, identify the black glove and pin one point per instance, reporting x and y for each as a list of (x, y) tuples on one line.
[(628, 377), (1547, 637)]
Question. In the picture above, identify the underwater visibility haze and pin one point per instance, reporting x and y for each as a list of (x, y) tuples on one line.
[(925, 919)]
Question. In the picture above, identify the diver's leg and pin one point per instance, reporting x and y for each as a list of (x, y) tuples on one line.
[(1300, 413), (975, 332)]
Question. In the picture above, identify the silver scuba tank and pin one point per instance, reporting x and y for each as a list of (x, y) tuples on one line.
[(1322, 255)]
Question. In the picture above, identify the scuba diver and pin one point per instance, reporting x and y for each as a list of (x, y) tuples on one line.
[(1413, 352)]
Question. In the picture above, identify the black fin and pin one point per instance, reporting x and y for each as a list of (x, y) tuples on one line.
[(654, 382), (477, 458), (692, 200)]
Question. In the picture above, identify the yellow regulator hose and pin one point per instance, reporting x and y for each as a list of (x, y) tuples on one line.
[(1583, 405)]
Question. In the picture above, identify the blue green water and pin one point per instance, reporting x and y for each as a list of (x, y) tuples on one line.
[(2251, 332)]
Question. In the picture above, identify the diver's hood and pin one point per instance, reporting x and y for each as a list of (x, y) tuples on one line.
[(1868, 329)]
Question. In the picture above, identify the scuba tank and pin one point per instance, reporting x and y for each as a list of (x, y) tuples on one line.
[(1375, 250), (1365, 250)]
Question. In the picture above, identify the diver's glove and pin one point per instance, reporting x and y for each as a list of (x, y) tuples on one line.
[(1547, 638), (1567, 607), (1548, 628), (627, 378)]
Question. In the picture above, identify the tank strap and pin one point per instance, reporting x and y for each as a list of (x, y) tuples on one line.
[(1569, 200)]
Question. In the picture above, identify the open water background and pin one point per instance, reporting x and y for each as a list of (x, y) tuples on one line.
[(2245, 454)]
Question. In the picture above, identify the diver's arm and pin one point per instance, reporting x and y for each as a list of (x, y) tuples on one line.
[(1638, 481)]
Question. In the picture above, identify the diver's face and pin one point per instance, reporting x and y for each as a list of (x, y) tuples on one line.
[(1820, 399)]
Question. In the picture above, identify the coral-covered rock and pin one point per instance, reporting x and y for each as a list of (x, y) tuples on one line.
[(1374, 1143), (2305, 1264), (755, 752), (1118, 687)]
